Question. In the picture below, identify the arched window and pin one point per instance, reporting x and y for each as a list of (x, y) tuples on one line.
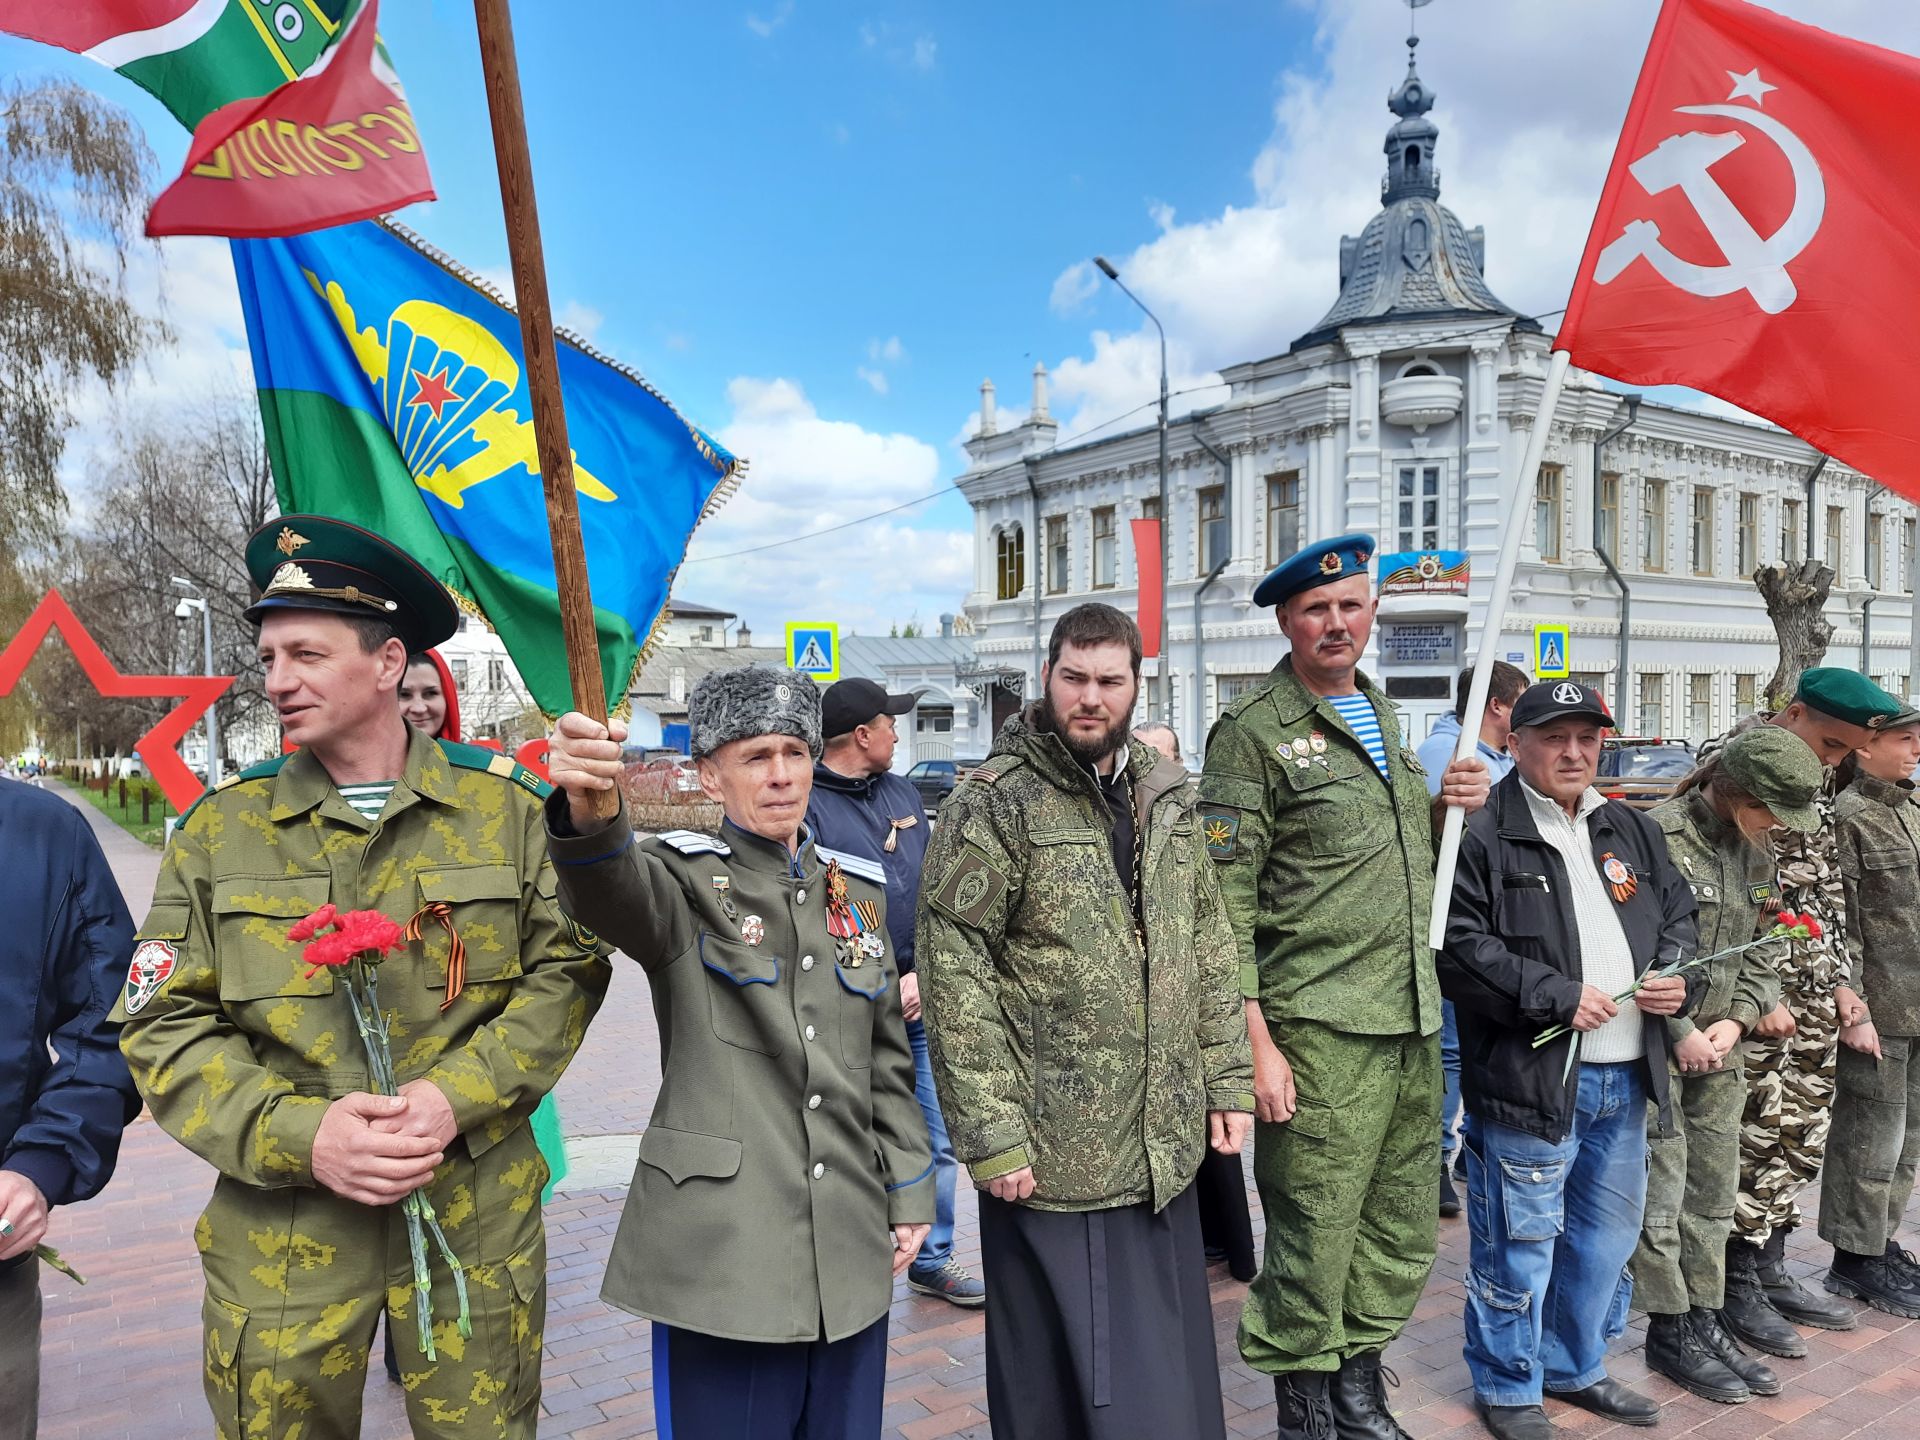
[(1011, 556)]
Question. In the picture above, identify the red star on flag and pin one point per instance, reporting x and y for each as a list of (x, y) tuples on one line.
[(432, 391), (158, 746)]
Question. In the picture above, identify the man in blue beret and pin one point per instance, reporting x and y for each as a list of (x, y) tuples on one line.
[(1319, 819)]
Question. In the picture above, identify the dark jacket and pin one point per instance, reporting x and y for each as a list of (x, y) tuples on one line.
[(856, 815), (1512, 960), (63, 961)]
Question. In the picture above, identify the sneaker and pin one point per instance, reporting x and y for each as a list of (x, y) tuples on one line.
[(951, 1282)]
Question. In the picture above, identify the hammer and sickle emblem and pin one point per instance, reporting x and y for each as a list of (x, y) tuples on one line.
[(1755, 263)]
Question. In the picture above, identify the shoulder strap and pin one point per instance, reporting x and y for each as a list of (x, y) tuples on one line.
[(493, 762), (869, 870), (692, 842)]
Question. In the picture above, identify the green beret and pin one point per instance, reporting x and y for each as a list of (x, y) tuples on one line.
[(1846, 695), (1778, 769)]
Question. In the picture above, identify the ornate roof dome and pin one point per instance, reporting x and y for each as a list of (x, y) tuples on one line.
[(1414, 258)]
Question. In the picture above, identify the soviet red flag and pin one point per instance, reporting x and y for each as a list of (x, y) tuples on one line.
[(335, 145), (1759, 234)]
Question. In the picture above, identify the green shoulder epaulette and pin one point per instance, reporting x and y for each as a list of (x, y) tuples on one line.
[(993, 769), (265, 770), (494, 762)]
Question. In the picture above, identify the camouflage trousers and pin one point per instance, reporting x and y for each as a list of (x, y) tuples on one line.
[(1875, 1146), (1349, 1186), (1783, 1133), (297, 1277), (1692, 1178)]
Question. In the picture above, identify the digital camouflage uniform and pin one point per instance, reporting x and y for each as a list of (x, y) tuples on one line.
[(1783, 1131), (238, 1054), (1327, 871), (1693, 1173), (1875, 1144)]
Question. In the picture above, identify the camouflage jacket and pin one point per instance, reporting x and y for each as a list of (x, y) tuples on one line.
[(1327, 869), (1058, 1039), (1807, 869), (238, 1051), (1878, 827), (1732, 883)]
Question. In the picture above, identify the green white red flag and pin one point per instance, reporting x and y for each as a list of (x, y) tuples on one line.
[(299, 120)]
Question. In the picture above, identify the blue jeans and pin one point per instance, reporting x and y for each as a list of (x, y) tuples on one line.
[(938, 1246), (1551, 1228), (1450, 1070)]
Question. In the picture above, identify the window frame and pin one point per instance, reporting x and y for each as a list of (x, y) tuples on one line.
[(1653, 534), (1700, 530), (1059, 547), (1283, 496), (1110, 540)]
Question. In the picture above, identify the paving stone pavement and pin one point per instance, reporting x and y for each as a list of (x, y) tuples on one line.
[(121, 1357)]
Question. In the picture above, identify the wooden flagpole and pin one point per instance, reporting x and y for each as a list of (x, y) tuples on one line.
[(1490, 628), (502, 70)]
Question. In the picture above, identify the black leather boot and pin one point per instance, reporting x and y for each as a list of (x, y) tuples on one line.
[(1758, 1375), (1305, 1412), (1449, 1197), (1792, 1299), (1747, 1311), (1677, 1349), (1360, 1400), (1515, 1422), (1880, 1280)]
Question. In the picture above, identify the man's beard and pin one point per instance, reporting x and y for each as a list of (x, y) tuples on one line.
[(1087, 752)]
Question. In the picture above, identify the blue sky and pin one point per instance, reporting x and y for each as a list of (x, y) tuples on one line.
[(817, 226)]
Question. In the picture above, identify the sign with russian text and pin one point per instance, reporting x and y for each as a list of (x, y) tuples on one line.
[(1435, 642), (1425, 572)]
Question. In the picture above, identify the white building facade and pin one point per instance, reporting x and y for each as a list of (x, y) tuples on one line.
[(1402, 414)]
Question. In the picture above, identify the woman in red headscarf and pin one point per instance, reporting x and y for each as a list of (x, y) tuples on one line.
[(428, 698)]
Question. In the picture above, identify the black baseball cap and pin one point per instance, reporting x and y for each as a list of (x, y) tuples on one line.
[(1557, 699), (849, 704)]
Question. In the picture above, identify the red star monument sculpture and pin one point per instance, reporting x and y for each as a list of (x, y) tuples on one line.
[(158, 747)]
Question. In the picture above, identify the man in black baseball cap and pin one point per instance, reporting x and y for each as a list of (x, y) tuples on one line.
[(870, 817)]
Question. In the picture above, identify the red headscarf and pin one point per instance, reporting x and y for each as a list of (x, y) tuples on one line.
[(451, 729)]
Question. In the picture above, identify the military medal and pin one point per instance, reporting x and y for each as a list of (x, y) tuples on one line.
[(1317, 742), (722, 885), (1620, 877), (753, 929), (868, 945), (1302, 746)]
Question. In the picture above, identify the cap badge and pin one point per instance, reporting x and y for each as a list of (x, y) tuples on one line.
[(1360, 557), (1568, 693), (781, 694), (290, 540), (290, 577), (1330, 563)]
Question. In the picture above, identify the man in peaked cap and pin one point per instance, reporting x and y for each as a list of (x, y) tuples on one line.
[(784, 1179), (249, 1057), (1318, 817), (1791, 1057)]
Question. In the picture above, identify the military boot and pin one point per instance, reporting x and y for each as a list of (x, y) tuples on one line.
[(1677, 1349), (1898, 1255), (1758, 1375), (1305, 1413), (1747, 1311), (1880, 1280), (1360, 1400), (1792, 1299)]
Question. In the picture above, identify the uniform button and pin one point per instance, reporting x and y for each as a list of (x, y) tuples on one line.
[(809, 1032), (818, 1170), (806, 962), (813, 1102), (799, 897), (1536, 1175)]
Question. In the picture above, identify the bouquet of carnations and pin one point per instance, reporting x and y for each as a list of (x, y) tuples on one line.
[(356, 942), (1805, 927)]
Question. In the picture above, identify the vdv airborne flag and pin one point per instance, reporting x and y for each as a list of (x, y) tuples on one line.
[(394, 396)]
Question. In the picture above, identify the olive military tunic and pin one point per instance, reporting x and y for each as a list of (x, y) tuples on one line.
[(239, 1052), (786, 1137)]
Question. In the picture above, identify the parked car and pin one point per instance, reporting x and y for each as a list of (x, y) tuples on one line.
[(935, 779), (1642, 771), (661, 776)]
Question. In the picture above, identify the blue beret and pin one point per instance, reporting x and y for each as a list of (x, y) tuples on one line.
[(1321, 563)]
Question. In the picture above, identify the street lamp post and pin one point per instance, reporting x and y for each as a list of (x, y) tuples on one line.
[(1166, 667), (185, 608)]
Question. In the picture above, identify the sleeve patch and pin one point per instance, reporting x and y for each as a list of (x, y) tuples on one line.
[(1761, 893), (1221, 830), (971, 888), (153, 965)]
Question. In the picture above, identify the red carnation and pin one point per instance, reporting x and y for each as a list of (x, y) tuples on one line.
[(327, 951), (369, 930), (306, 929), (1813, 925)]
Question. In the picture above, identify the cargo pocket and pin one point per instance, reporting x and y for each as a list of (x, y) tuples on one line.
[(251, 917), (1504, 1320), (527, 1321), (748, 1010), (224, 1324), (861, 991), (1532, 1195), (482, 904)]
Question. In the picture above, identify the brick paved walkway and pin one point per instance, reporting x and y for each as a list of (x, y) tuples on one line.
[(121, 1357)]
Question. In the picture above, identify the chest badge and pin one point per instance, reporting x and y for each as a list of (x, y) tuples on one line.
[(1621, 880), (753, 930), (723, 887), (1317, 743)]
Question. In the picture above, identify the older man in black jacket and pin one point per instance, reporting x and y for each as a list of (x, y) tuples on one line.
[(1563, 900)]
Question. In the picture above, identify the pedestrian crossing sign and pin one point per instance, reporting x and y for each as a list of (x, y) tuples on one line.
[(1552, 659), (813, 648)]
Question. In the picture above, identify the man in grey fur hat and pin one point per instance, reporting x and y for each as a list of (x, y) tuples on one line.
[(784, 1178)]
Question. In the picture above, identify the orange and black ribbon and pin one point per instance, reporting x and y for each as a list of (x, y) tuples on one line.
[(1623, 890), (456, 947)]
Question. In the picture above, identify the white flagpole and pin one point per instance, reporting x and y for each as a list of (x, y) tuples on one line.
[(1490, 629)]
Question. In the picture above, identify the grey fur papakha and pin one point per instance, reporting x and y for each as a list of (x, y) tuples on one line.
[(751, 701)]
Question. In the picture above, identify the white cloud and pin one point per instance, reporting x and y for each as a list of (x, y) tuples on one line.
[(1075, 285), (890, 350), (923, 52), (883, 38), (764, 26), (876, 378), (580, 318), (806, 473)]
